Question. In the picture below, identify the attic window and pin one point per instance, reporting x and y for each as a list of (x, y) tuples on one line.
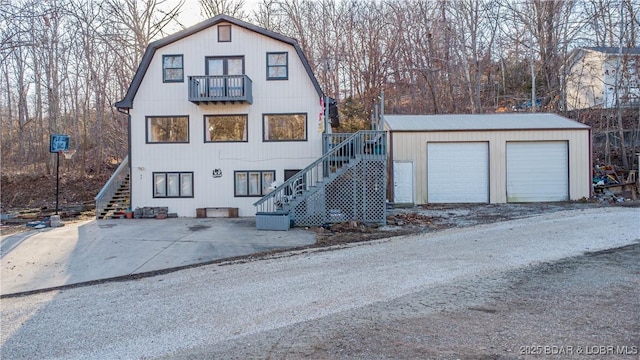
[(172, 68), (224, 33), (277, 66)]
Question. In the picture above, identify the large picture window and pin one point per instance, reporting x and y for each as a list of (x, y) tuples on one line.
[(277, 66), (253, 183), (167, 129), (225, 128), (172, 184), (284, 127), (172, 68)]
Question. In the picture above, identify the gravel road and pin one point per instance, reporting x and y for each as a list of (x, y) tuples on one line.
[(489, 291)]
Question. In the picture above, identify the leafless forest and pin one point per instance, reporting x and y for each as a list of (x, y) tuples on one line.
[(63, 63)]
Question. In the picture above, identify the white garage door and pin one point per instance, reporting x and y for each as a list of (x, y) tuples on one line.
[(537, 171), (458, 172)]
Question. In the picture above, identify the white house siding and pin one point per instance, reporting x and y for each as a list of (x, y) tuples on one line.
[(411, 146), (585, 82), (591, 79), (155, 98)]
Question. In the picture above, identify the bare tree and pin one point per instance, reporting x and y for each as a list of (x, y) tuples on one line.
[(475, 24), (268, 14), (234, 8), (63, 63), (138, 22)]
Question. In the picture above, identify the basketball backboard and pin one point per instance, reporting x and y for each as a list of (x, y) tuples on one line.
[(58, 143)]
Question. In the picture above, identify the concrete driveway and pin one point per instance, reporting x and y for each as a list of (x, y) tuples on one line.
[(106, 249)]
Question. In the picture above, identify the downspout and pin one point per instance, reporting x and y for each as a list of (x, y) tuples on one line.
[(390, 170), (128, 150), (591, 192), (327, 122)]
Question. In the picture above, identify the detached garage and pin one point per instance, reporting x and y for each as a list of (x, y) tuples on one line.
[(487, 158)]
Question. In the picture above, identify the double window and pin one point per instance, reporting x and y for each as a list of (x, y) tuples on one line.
[(172, 68), (172, 184), (225, 128), (284, 127), (253, 183), (167, 129), (277, 66)]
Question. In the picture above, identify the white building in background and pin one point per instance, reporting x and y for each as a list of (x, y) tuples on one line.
[(594, 73)]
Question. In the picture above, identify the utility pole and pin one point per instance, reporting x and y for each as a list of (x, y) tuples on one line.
[(533, 78), (618, 81)]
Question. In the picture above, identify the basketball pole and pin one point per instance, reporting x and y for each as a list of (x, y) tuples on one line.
[(57, 179)]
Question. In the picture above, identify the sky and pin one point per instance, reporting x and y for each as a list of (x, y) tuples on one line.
[(191, 10)]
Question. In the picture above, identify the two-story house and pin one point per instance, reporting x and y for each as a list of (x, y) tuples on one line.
[(228, 115), (217, 113), (602, 77)]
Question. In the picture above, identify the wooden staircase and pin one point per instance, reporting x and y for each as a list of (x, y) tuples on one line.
[(347, 183), (115, 195), (120, 202)]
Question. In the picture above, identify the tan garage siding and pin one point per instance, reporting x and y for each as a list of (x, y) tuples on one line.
[(412, 146)]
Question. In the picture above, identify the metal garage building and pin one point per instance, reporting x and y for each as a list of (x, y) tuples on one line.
[(487, 158)]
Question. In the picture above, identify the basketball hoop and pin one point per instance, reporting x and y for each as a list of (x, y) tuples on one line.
[(68, 154)]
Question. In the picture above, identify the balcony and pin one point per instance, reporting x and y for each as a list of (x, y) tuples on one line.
[(220, 89)]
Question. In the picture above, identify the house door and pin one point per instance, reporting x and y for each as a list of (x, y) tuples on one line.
[(403, 182), (297, 187), (227, 71)]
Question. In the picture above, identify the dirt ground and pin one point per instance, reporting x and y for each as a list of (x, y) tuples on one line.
[(429, 218), (33, 198), (587, 307)]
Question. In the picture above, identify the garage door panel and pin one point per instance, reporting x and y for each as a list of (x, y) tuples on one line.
[(537, 171), (458, 172)]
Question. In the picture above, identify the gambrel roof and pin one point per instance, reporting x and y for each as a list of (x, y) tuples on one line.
[(127, 102)]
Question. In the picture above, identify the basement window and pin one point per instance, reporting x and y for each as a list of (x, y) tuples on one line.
[(253, 182), (173, 184)]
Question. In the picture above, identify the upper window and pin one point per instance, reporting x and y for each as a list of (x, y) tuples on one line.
[(224, 33), (167, 129), (172, 184), (225, 128), (277, 66), (284, 127), (172, 68)]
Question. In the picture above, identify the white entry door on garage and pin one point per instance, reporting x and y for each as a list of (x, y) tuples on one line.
[(403, 182), (458, 172), (537, 171)]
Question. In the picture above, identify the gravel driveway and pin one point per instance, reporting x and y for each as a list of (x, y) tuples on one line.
[(489, 291)]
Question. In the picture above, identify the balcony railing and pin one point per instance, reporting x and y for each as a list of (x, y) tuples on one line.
[(220, 88)]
